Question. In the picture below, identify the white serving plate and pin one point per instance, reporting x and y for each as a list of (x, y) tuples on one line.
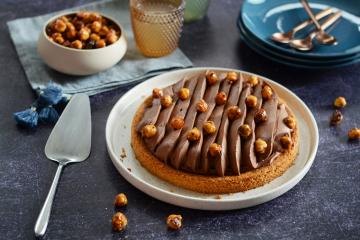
[(118, 135)]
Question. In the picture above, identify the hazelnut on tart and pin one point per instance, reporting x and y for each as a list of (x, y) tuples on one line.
[(217, 132)]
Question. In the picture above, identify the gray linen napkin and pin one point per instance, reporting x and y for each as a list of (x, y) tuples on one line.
[(134, 67)]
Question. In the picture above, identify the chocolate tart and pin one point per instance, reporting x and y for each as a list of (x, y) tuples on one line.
[(215, 132)]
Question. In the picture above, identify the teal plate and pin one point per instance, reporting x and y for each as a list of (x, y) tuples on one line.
[(264, 17), (318, 61), (294, 63)]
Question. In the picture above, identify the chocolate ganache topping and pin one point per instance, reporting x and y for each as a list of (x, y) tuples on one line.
[(217, 123)]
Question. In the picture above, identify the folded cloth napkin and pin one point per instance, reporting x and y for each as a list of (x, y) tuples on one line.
[(133, 68)]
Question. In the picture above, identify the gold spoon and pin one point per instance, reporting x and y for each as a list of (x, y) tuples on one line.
[(321, 36), (288, 36), (306, 43)]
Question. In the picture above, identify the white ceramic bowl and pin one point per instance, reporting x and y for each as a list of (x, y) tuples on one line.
[(80, 61)]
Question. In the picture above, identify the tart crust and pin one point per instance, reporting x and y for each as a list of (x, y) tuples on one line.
[(212, 184)]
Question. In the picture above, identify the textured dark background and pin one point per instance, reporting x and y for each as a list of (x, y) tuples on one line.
[(324, 205)]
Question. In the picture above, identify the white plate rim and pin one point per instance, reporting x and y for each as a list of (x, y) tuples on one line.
[(154, 190)]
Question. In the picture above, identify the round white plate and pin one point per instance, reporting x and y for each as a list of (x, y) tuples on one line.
[(118, 135)]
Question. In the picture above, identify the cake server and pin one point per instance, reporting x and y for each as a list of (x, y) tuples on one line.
[(69, 142)]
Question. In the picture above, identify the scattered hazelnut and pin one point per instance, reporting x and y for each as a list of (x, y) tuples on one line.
[(253, 80), (211, 77), (209, 127), (260, 116), (76, 44), (234, 112), (148, 131), (96, 26), (194, 134), (232, 77), (184, 93), (60, 25), (266, 92), (101, 43), (119, 221), (157, 93), (245, 130), (340, 102), (251, 101), (260, 146), (120, 200), (354, 133), (174, 221), (336, 118), (220, 98), (111, 38), (285, 142), (201, 106), (290, 122), (166, 101), (177, 122), (214, 149)]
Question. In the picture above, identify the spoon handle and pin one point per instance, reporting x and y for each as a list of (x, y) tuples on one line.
[(43, 218), (318, 16), (327, 23), (311, 14)]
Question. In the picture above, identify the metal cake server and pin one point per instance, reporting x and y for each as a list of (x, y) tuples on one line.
[(69, 142)]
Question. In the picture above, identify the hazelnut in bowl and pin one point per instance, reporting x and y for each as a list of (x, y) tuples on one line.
[(81, 43)]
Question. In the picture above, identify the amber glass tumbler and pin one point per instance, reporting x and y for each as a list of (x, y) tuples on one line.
[(157, 25)]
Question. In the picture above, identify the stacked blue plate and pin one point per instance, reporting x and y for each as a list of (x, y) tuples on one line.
[(259, 19)]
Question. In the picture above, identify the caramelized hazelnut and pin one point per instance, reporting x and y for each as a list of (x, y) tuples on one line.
[(103, 31), (59, 40), (76, 44), (83, 15), (120, 200), (94, 37), (354, 134), (290, 122), (245, 130), (95, 17), (64, 19), (55, 35), (260, 116), (336, 118), (201, 106), (174, 221), (211, 77), (166, 101), (340, 102), (71, 34), (96, 26), (119, 221), (194, 134), (101, 43), (177, 123), (60, 25), (221, 98), (234, 112), (253, 80), (70, 26), (260, 146), (214, 149), (232, 77), (266, 92), (84, 34), (184, 93), (111, 38), (209, 127), (148, 131), (251, 101), (79, 25), (157, 93), (285, 142)]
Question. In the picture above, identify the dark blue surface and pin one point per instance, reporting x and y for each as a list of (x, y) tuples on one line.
[(324, 205), (264, 17)]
